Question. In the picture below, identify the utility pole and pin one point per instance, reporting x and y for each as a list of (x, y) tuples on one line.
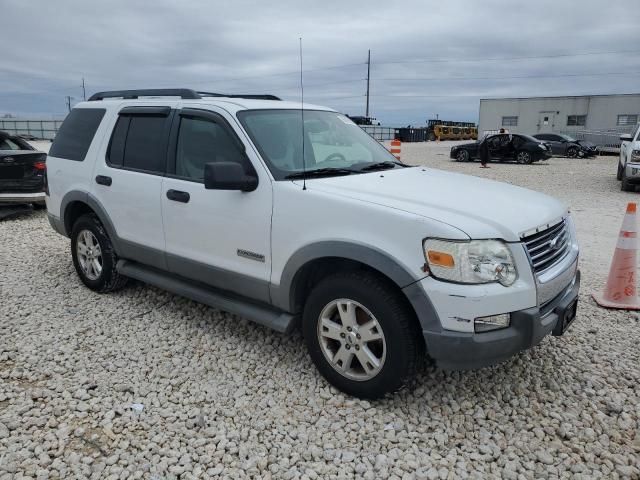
[(368, 78), (84, 92), (68, 99)]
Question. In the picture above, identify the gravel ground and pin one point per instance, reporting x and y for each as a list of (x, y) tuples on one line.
[(221, 397)]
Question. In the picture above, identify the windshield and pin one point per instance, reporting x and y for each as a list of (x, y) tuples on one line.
[(568, 138), (331, 141)]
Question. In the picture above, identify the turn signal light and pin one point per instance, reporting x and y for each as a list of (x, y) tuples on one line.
[(441, 259)]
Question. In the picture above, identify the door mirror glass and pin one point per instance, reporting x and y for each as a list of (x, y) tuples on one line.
[(228, 176), (626, 137)]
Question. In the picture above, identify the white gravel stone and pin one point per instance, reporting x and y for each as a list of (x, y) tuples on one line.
[(226, 398)]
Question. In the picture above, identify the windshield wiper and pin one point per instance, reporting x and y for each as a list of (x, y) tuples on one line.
[(380, 166), (320, 172)]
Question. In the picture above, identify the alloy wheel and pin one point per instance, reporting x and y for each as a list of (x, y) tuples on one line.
[(351, 339), (523, 157), (89, 254)]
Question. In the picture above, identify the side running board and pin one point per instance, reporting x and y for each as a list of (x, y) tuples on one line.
[(263, 314)]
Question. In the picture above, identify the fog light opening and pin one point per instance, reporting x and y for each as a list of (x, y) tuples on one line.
[(492, 322)]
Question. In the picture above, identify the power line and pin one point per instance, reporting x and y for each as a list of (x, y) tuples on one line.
[(487, 59), (560, 75)]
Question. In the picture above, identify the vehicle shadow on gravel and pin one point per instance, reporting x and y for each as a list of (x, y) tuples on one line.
[(12, 212)]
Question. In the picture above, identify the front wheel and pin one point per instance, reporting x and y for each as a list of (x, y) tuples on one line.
[(572, 152), (462, 156), (625, 186), (619, 174), (93, 255), (524, 157), (361, 335)]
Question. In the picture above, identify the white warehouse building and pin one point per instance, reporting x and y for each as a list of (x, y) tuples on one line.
[(594, 113)]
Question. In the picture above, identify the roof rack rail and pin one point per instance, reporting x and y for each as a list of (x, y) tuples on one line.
[(184, 93), (149, 92), (248, 96)]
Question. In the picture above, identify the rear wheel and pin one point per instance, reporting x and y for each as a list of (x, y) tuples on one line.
[(524, 157), (431, 137), (360, 334), (93, 255)]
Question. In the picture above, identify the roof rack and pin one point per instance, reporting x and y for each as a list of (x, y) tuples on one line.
[(248, 96), (184, 93)]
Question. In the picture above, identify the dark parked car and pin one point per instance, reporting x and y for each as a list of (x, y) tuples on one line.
[(22, 172), (504, 147), (568, 146)]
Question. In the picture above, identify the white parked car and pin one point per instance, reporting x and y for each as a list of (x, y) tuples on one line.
[(239, 203), (629, 164)]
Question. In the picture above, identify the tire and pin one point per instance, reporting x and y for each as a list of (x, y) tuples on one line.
[(88, 230), (462, 156), (619, 174), (431, 137), (572, 152), (625, 186), (396, 343), (524, 157)]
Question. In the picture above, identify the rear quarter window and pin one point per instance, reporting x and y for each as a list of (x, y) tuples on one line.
[(76, 134)]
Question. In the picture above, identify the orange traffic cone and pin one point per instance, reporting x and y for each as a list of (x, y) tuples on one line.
[(620, 291)]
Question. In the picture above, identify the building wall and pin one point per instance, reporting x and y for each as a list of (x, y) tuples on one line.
[(601, 112)]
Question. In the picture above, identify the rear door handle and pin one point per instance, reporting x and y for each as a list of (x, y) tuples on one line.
[(104, 180), (178, 196)]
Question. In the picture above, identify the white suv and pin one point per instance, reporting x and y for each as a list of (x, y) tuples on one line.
[(629, 164), (280, 215)]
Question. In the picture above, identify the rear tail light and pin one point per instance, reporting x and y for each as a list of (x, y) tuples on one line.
[(42, 167)]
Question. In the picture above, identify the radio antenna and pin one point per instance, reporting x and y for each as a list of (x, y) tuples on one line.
[(304, 164)]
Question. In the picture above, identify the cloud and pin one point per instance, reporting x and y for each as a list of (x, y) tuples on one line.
[(426, 56)]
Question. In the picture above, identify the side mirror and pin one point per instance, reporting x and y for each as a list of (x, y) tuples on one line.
[(228, 176), (626, 137)]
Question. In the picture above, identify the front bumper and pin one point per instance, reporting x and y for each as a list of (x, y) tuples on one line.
[(632, 173), (463, 351), (13, 198)]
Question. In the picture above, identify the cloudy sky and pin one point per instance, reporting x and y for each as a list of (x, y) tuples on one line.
[(427, 57)]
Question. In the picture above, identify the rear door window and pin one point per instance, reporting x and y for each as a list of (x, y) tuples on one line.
[(139, 140), (76, 134)]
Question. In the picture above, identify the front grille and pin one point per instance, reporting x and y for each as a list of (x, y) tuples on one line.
[(548, 247)]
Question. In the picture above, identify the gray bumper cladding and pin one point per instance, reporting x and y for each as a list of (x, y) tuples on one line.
[(465, 351)]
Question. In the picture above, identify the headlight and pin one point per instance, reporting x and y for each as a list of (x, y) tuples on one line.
[(542, 146), (635, 155), (476, 261)]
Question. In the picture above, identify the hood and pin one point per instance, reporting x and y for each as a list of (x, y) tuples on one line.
[(585, 143), (481, 208)]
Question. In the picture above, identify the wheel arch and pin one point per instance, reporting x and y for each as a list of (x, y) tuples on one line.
[(310, 264), (77, 203)]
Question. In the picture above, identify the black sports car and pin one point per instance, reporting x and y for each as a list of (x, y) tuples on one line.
[(568, 146), (22, 172), (504, 147)]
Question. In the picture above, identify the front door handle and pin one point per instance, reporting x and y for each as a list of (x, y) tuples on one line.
[(104, 180), (178, 196)]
